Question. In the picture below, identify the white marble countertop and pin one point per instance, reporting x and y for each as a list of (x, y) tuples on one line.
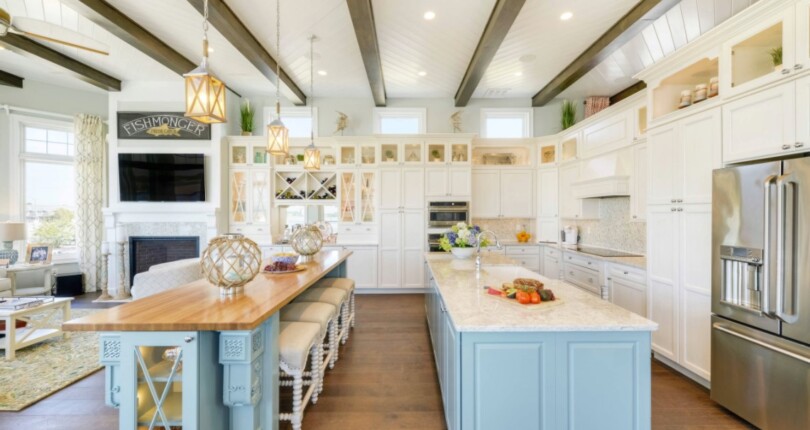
[(639, 262), (471, 309)]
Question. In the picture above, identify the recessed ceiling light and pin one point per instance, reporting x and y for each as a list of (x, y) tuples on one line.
[(429, 15), (566, 16), (210, 49), (2, 48), (322, 72), (518, 73), (422, 73)]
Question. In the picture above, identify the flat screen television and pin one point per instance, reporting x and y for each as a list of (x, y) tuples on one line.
[(161, 177)]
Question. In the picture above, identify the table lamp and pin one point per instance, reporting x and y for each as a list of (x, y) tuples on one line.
[(9, 232)]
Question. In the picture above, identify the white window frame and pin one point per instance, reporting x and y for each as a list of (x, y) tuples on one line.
[(19, 157), (298, 112), (525, 113), (419, 113)]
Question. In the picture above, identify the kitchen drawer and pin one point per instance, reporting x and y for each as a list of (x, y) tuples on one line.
[(529, 262), (522, 250), (357, 229), (250, 229), (551, 252), (583, 278), (584, 262), (628, 274)]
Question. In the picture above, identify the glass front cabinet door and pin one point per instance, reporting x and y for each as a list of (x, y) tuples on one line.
[(239, 196), (248, 153), (358, 199)]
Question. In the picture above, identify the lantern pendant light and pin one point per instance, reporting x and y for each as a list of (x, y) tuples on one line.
[(205, 94), (312, 155), (278, 136)]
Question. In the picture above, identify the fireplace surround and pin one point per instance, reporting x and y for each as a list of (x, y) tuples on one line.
[(147, 251)]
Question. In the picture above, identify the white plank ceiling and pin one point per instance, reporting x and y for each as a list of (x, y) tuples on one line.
[(420, 58), (682, 24)]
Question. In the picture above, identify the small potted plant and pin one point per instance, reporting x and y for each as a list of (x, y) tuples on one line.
[(389, 155), (461, 240), (569, 114), (436, 155), (246, 114), (776, 57)]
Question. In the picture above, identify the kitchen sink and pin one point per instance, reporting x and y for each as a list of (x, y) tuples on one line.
[(507, 273)]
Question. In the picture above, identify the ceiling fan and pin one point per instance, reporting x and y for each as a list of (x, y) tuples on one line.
[(38, 29)]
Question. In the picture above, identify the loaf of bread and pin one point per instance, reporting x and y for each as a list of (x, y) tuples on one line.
[(533, 284)]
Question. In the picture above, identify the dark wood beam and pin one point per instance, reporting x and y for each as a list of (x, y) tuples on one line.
[(25, 46), (500, 21), (231, 27), (113, 20), (627, 92), (629, 26), (10, 80), (366, 31)]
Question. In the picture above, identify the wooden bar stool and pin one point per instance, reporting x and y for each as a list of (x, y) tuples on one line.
[(324, 314), (297, 341), (345, 284), (334, 296)]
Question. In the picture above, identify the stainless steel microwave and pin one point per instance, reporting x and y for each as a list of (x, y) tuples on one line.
[(446, 214)]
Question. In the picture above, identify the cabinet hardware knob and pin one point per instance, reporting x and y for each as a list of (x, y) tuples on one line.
[(798, 66), (673, 201), (188, 339), (634, 216), (680, 209), (785, 147), (785, 71), (610, 279), (798, 144), (625, 273)]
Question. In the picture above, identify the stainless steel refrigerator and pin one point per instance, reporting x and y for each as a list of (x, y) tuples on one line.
[(761, 292)]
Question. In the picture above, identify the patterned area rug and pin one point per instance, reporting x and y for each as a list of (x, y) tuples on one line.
[(42, 369)]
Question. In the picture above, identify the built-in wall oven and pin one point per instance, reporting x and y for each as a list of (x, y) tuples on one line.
[(447, 214)]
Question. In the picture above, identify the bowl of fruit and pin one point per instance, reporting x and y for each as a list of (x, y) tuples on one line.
[(284, 257)]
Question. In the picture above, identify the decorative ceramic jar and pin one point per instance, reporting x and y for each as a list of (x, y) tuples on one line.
[(462, 252), (328, 160), (701, 93), (230, 262), (307, 241), (714, 87), (686, 99)]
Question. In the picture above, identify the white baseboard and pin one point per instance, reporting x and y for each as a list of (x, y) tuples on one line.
[(391, 291), (685, 372)]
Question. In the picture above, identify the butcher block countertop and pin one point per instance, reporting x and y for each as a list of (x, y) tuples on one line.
[(198, 306)]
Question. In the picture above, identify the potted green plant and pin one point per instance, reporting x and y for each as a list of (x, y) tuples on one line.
[(389, 155), (246, 113), (776, 57), (436, 155), (569, 114)]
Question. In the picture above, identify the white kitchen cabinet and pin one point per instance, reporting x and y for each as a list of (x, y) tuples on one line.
[(552, 262), (764, 124), (569, 146), (525, 255), (453, 153), (802, 138), (683, 155), (503, 193), (249, 202), (401, 248), (402, 188), (638, 184), (628, 288), (679, 283), (366, 154), (362, 266), (447, 182), (570, 206), (547, 206), (607, 135), (247, 152)]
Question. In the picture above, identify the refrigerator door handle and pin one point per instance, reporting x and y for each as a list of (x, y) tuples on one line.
[(728, 330), (765, 290), (783, 231)]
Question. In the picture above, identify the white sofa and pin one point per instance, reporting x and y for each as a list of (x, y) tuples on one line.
[(163, 277)]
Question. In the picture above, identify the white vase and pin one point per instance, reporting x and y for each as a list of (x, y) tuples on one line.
[(462, 252)]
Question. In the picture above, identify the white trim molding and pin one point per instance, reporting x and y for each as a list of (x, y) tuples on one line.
[(419, 113), (526, 114)]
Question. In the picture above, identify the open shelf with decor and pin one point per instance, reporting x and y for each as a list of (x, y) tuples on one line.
[(685, 88), (502, 156), (762, 55)]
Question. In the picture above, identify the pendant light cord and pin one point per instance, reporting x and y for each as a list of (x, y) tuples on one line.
[(312, 88), (278, 58), (205, 29)]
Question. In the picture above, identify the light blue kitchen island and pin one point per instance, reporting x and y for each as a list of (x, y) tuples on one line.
[(583, 363)]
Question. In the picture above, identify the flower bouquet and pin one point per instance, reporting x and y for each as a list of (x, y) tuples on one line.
[(461, 240)]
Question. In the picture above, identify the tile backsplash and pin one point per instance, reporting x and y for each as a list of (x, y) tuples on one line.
[(614, 229), (505, 228)]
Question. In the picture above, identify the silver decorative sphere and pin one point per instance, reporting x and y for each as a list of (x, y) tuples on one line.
[(230, 262), (307, 241)]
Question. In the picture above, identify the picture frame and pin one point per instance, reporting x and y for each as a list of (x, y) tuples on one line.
[(38, 253)]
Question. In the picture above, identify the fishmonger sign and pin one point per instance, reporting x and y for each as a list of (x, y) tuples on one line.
[(161, 126)]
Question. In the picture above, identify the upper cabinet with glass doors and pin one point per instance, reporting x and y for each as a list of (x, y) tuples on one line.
[(357, 154), (452, 153), (400, 152), (249, 151)]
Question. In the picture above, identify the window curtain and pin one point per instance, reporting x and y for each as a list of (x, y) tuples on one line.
[(90, 151)]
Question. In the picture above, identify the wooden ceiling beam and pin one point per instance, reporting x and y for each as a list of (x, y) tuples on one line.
[(500, 21), (627, 92), (10, 80), (25, 46), (628, 27), (234, 30), (366, 31)]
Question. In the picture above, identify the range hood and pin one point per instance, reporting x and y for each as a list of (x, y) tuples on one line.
[(607, 175)]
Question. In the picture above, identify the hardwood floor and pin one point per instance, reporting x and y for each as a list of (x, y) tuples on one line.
[(385, 379)]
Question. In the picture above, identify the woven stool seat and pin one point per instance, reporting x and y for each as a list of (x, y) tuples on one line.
[(313, 312), (345, 284), (333, 296)]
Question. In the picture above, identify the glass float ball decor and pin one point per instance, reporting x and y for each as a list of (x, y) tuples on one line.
[(230, 262), (307, 241)]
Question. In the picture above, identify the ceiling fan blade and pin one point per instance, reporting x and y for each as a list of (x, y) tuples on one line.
[(57, 34)]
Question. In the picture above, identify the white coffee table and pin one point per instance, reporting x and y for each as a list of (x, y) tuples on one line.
[(33, 332)]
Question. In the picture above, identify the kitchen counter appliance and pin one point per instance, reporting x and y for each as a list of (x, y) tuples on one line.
[(447, 214), (760, 329)]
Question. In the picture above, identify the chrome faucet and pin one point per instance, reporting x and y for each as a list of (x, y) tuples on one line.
[(478, 246)]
